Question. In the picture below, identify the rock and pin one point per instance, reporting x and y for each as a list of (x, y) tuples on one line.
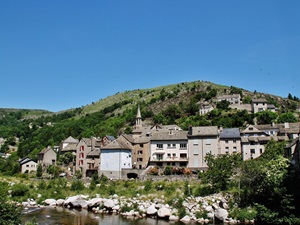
[(186, 219), (50, 201), (210, 215), (60, 202), (94, 202), (164, 212), (151, 210), (173, 218), (76, 202), (209, 208), (221, 214), (109, 203)]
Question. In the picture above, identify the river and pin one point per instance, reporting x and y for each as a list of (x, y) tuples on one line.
[(62, 216)]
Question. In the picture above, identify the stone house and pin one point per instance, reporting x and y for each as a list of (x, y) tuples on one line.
[(202, 140), (28, 165), (230, 141), (169, 148), (232, 99), (84, 147), (115, 157), (205, 108), (259, 105), (47, 157)]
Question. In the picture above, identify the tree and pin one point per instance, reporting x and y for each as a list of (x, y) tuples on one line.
[(220, 169), (39, 171), (223, 105), (287, 117), (266, 117), (9, 213)]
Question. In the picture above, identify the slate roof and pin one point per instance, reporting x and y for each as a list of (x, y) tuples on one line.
[(204, 131), (25, 160), (229, 96), (70, 139), (45, 150), (259, 100), (290, 128), (117, 144), (169, 135), (228, 133), (70, 147), (95, 152)]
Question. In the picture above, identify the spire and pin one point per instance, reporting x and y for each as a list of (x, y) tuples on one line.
[(138, 118)]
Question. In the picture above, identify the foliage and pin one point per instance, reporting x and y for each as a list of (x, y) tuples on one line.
[(39, 171), (287, 117), (9, 213), (266, 117), (220, 169), (223, 105), (18, 190), (243, 214), (77, 185)]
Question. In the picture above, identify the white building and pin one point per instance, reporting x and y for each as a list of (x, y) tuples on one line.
[(114, 157)]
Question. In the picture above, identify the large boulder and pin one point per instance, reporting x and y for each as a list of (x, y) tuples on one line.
[(77, 201), (164, 212), (221, 214), (186, 219), (151, 210), (50, 201), (109, 204), (94, 202)]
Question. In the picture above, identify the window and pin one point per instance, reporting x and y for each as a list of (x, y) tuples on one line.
[(226, 141), (208, 141), (226, 150), (234, 141), (182, 145), (159, 146), (171, 145), (182, 164), (169, 155), (195, 151), (234, 149), (159, 156), (195, 142), (252, 151), (183, 156), (174, 155), (81, 148), (141, 145), (261, 151), (140, 152)]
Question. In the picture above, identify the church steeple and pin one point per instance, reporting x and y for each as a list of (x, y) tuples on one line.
[(138, 119)]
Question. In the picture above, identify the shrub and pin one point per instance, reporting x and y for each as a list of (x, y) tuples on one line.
[(148, 185), (243, 214), (168, 170), (77, 185), (19, 190)]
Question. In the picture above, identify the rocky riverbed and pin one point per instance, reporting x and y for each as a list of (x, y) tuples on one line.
[(198, 209)]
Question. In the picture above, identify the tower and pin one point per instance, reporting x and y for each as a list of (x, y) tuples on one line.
[(138, 119)]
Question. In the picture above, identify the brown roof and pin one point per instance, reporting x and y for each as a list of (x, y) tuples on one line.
[(169, 135)]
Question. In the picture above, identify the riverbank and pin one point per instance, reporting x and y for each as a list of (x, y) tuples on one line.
[(191, 209)]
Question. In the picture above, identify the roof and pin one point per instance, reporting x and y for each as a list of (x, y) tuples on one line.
[(95, 152), (229, 96), (25, 160), (117, 144), (230, 133), (45, 150), (111, 138), (70, 139), (70, 147), (204, 131), (251, 129), (259, 100), (290, 128), (169, 135)]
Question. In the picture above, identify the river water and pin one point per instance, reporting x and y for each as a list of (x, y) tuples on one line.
[(62, 216)]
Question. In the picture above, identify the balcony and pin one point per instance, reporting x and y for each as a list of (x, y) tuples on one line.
[(169, 159)]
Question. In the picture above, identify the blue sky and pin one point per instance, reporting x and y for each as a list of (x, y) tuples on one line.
[(57, 55)]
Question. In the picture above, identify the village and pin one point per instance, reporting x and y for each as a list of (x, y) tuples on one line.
[(158, 146)]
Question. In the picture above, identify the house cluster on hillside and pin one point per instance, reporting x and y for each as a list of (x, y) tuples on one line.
[(165, 145), (235, 102)]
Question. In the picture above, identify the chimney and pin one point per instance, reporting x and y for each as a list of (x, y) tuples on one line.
[(190, 130)]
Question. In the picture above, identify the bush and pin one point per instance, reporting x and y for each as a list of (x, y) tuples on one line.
[(148, 185), (19, 190), (243, 214), (168, 170), (77, 185)]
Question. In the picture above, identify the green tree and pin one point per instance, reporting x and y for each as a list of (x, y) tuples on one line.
[(9, 213), (220, 169), (223, 105), (39, 171), (266, 117), (287, 117)]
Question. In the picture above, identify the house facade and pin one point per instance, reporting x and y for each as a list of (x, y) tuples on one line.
[(85, 155), (169, 148), (232, 99), (28, 165), (259, 105), (47, 157), (201, 141), (115, 157), (230, 141)]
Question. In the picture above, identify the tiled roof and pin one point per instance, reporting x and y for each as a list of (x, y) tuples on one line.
[(95, 152), (259, 100), (45, 150), (70, 147), (70, 139), (228, 96)]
